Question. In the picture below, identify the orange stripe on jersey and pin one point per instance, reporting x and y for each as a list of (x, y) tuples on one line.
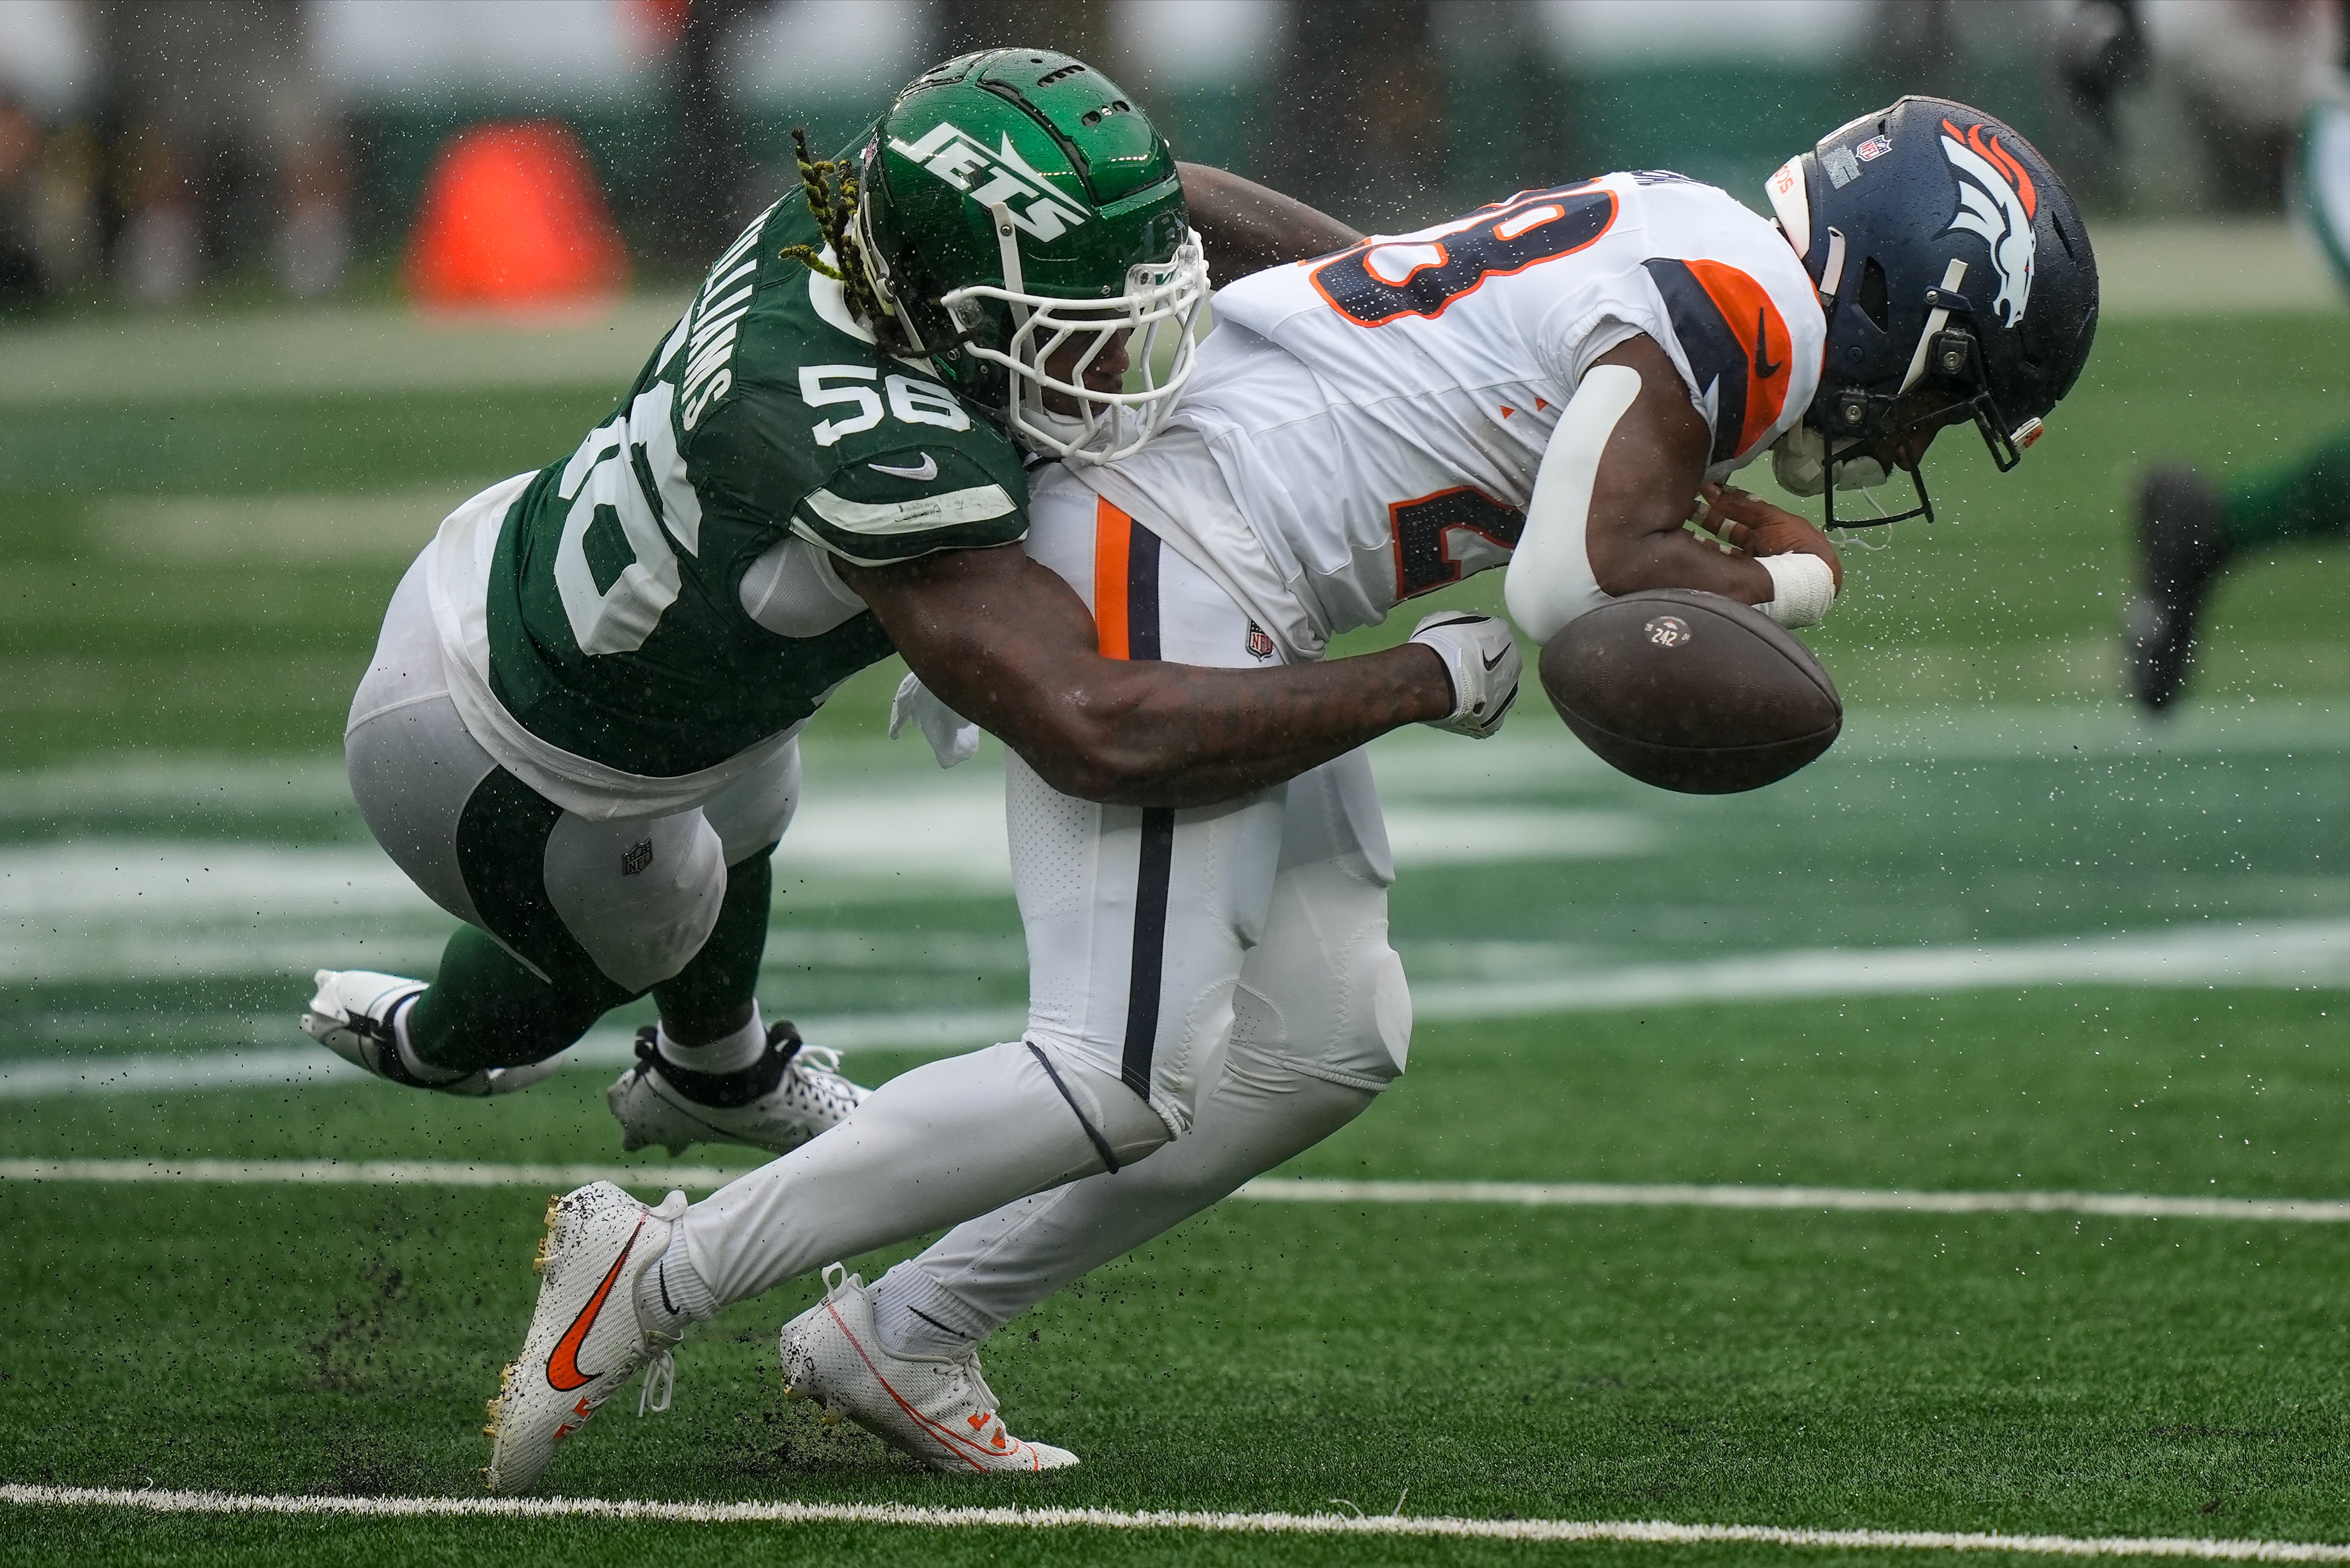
[(1113, 538), (1746, 309)]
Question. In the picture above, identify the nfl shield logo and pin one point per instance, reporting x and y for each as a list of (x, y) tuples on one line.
[(1259, 646), (636, 856)]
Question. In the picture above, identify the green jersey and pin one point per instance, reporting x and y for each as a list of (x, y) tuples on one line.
[(662, 599)]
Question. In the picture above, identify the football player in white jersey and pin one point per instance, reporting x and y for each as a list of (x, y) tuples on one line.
[(579, 732), (1550, 383)]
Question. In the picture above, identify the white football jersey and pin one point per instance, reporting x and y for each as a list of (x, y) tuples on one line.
[(1379, 414)]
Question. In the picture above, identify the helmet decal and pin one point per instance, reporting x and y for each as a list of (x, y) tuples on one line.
[(1996, 201), (964, 162), (1931, 275)]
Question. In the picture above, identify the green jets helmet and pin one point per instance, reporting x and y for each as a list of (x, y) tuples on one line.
[(1022, 221)]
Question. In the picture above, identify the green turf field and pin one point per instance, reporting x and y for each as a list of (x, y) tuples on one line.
[(2004, 940)]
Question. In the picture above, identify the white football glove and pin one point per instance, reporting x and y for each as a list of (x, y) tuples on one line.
[(953, 739), (1482, 659)]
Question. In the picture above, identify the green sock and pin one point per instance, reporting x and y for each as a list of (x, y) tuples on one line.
[(713, 992), (2309, 500), (484, 1009)]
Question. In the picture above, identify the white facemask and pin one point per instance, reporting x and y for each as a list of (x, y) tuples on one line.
[(1799, 462)]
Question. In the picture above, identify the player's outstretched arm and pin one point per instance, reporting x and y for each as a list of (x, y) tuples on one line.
[(1248, 227), (1008, 644), (1621, 475)]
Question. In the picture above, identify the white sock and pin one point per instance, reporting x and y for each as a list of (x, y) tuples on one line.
[(730, 1054), (671, 1295), (424, 1071), (917, 1318)]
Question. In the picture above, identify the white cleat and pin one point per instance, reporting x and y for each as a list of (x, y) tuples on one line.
[(585, 1338), (352, 1015), (942, 1411), (793, 1093)]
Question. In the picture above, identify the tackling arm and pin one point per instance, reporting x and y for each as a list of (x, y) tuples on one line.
[(1008, 644), (1247, 227), (1618, 481)]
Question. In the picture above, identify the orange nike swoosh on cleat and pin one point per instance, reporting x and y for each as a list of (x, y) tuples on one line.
[(563, 1374), (951, 1441)]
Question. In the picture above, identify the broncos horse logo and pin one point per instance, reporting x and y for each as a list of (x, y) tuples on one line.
[(1996, 199)]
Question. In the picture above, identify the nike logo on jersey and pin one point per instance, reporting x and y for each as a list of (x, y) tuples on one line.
[(1763, 369), (923, 475), (563, 1374)]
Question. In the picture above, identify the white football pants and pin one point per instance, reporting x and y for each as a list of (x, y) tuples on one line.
[(415, 766), (1220, 976)]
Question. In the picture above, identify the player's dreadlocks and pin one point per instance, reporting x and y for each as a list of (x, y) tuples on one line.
[(832, 197)]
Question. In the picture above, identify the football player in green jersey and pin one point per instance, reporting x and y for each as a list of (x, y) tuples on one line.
[(578, 732)]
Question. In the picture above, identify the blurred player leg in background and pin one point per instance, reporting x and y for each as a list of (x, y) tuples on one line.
[(2188, 529)]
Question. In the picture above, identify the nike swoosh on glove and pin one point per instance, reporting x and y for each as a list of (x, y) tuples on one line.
[(1482, 659)]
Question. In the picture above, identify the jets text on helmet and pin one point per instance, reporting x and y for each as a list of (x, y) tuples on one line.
[(1002, 176)]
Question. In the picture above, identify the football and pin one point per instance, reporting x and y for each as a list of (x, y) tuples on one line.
[(1692, 691)]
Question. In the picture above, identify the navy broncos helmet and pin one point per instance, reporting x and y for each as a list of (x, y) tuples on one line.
[(1948, 257)]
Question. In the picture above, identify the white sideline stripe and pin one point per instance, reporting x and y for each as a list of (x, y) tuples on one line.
[(364, 1173), (1274, 1190), (603, 1050), (1611, 1194), (2285, 953), (1651, 1531), (2293, 954)]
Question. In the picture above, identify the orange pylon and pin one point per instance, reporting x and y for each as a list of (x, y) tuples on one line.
[(512, 219)]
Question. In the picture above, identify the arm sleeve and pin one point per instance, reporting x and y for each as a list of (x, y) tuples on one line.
[(892, 506), (1550, 581)]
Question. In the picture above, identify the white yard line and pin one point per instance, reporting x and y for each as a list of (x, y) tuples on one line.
[(603, 1049), (2293, 954), (1644, 1532), (2288, 953), (362, 1173), (1269, 1189), (1666, 1195), (942, 838)]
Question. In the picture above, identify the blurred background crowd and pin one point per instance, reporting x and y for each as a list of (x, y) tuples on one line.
[(152, 150)]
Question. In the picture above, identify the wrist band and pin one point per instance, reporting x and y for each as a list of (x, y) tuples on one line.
[(1803, 589)]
